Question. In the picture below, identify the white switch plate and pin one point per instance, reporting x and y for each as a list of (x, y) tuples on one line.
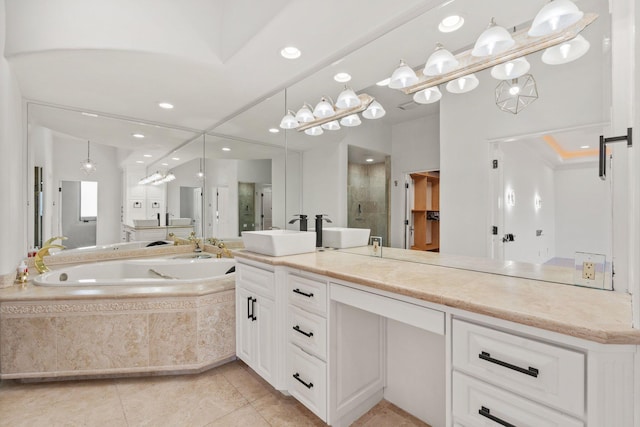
[(590, 270)]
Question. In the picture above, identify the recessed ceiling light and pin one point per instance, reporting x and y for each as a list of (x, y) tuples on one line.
[(369, 160), (139, 161), (451, 23), (165, 105), (584, 146), (290, 52), (175, 158), (226, 149), (274, 130), (164, 164), (89, 114), (137, 135), (147, 155), (384, 82), (342, 77)]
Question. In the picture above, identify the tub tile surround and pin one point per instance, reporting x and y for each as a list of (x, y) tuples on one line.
[(591, 314)]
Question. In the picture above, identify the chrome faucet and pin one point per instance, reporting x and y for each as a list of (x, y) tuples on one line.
[(39, 258)]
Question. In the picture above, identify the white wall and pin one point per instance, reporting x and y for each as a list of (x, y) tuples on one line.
[(415, 147), (13, 210)]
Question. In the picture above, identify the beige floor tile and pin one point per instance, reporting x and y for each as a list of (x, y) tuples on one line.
[(243, 417), (282, 411), (187, 400), (386, 414), (248, 383), (69, 403)]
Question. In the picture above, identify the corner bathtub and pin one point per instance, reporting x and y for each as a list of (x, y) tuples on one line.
[(126, 246), (152, 272)]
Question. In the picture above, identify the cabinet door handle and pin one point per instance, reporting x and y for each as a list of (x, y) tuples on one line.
[(249, 307), (485, 412), (307, 385), (306, 334), (531, 371), (298, 291), (253, 309)]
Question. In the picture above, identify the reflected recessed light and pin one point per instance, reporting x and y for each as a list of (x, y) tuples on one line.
[(139, 161), (274, 130), (147, 155), (164, 164), (451, 23), (369, 160), (89, 114), (384, 82), (290, 52), (175, 158), (342, 77), (137, 135), (165, 105), (585, 146), (226, 149)]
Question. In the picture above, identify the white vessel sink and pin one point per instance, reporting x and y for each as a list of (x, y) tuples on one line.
[(279, 242), (180, 221), (342, 237), (145, 222)]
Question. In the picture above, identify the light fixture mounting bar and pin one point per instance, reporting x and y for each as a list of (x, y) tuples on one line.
[(524, 45), (365, 101)]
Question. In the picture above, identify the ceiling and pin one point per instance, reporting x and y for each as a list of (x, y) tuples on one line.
[(218, 62)]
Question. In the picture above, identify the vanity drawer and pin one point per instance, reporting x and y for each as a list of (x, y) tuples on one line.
[(307, 379), (308, 294), (544, 372), (256, 279), (308, 331), (476, 403)]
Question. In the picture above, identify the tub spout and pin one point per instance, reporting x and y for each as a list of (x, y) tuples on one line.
[(39, 258)]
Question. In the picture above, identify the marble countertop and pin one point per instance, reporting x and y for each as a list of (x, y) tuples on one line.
[(591, 314)]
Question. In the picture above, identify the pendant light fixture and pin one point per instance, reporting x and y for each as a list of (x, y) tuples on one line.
[(304, 114), (314, 131), (88, 166), (351, 121), (515, 95), (511, 69), (289, 121), (566, 52), (323, 109), (402, 77), (555, 16), (492, 41), (464, 84), (374, 111), (427, 96), (333, 125), (347, 99), (440, 62)]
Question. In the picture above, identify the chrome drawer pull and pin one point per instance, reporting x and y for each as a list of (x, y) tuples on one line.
[(485, 412), (531, 371), (306, 334), (307, 385), (298, 291)]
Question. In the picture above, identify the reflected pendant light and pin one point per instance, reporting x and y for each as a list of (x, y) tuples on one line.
[(374, 111), (351, 121), (348, 99), (323, 109), (314, 131), (289, 121), (566, 52), (403, 77), (440, 62), (515, 95), (464, 84), (427, 96), (88, 166), (333, 125), (492, 41), (511, 69), (304, 114), (555, 16)]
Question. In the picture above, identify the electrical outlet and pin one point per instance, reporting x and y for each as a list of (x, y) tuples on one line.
[(589, 270)]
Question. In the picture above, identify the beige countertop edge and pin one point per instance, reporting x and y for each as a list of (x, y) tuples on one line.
[(604, 333)]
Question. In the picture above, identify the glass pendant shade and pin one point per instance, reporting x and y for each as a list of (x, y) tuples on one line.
[(289, 121), (440, 62), (511, 69), (374, 111), (348, 99), (492, 41), (514, 95), (314, 131), (566, 52), (464, 84), (427, 96), (350, 121), (402, 77), (323, 109), (333, 125), (555, 16), (304, 114), (88, 166)]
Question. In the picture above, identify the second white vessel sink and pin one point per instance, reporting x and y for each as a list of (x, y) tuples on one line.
[(342, 237), (279, 242), (145, 222)]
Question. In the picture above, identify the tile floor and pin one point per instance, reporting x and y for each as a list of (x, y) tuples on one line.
[(230, 395)]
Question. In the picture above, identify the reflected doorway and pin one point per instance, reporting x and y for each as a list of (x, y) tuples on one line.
[(246, 207), (79, 212)]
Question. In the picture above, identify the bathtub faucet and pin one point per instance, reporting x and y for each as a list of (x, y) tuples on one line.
[(39, 258), (193, 239), (224, 250)]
